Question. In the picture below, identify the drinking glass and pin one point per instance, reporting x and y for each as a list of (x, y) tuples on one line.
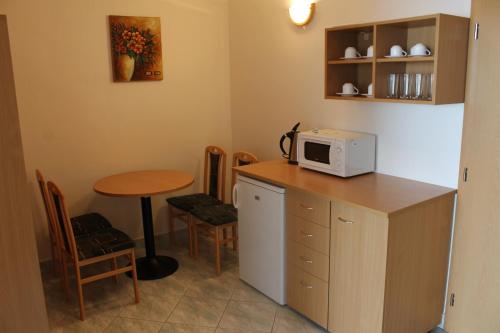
[(418, 86), (392, 85), (405, 85), (428, 82)]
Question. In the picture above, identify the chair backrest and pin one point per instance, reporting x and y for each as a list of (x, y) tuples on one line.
[(53, 229), (60, 212), (241, 158), (215, 172)]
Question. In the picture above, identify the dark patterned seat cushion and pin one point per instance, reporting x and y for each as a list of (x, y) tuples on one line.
[(188, 202), (103, 242), (89, 223), (216, 215)]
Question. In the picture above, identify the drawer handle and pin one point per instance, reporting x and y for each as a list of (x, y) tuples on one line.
[(305, 234), (307, 261), (306, 207), (343, 220), (305, 285)]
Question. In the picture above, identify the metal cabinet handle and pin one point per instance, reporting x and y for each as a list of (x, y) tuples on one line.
[(307, 261), (306, 207), (305, 285), (305, 234), (343, 220)]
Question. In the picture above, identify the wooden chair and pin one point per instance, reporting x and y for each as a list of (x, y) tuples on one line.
[(82, 225), (217, 218), (87, 249), (54, 245), (213, 193)]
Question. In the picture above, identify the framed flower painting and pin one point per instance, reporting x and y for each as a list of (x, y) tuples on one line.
[(136, 48)]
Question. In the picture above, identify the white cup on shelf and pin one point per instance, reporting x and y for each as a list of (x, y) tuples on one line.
[(397, 51), (369, 51), (349, 89), (370, 89), (351, 52), (420, 49)]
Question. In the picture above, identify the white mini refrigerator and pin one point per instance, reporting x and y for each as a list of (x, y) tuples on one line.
[(261, 224)]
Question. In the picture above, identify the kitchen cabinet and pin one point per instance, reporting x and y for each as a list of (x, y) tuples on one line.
[(366, 254), (474, 292), (445, 35), (22, 305)]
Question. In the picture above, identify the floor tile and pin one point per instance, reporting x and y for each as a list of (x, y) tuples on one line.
[(282, 325), (232, 330), (202, 311), (244, 292), (151, 308), (210, 288), (289, 321), (182, 328), (166, 287), (125, 325), (249, 316), (94, 323)]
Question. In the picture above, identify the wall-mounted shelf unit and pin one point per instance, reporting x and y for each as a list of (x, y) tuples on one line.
[(446, 36)]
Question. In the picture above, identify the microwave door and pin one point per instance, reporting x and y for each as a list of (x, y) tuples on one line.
[(317, 153)]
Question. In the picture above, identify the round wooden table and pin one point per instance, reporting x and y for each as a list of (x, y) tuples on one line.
[(144, 184)]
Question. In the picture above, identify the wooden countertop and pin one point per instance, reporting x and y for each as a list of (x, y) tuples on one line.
[(376, 191)]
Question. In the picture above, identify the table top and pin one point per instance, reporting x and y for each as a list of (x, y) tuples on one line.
[(378, 192), (143, 183)]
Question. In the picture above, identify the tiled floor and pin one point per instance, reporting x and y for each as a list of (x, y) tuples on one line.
[(191, 300)]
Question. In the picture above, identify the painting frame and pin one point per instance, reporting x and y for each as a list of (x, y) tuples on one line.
[(136, 48)]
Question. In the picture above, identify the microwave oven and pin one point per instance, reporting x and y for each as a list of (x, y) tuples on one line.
[(340, 153)]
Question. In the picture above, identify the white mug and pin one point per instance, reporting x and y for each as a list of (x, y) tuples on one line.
[(351, 52), (397, 51), (420, 50), (369, 51), (370, 89), (349, 88)]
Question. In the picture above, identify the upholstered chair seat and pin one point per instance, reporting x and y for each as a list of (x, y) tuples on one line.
[(102, 242)]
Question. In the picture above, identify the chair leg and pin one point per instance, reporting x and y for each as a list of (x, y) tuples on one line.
[(79, 288), (224, 236), (217, 251), (134, 276), (234, 233), (171, 225), (114, 266)]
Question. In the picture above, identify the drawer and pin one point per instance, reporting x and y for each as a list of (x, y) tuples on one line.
[(308, 295), (309, 206), (308, 260), (309, 234)]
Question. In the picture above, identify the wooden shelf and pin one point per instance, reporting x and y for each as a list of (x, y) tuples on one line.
[(380, 99), (407, 59), (350, 61), (446, 36)]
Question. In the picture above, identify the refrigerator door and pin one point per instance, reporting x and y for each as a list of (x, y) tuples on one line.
[(261, 220)]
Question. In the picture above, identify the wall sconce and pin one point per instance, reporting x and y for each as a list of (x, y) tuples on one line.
[(302, 12)]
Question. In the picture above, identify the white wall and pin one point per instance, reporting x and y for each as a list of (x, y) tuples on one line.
[(277, 79), (78, 126)]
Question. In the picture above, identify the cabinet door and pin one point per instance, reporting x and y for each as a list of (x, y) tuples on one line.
[(22, 304), (357, 269), (475, 272)]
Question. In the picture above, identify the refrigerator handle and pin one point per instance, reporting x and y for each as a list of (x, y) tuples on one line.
[(235, 196)]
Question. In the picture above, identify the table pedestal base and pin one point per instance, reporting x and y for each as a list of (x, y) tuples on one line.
[(155, 267)]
